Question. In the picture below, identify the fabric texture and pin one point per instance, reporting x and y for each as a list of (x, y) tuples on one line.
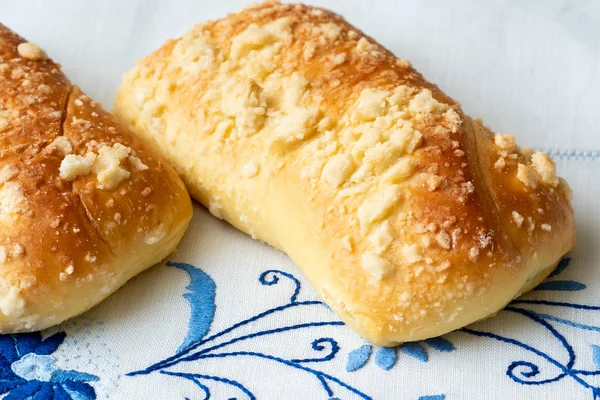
[(227, 317)]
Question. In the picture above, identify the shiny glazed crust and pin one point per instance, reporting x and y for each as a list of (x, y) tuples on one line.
[(72, 231), (409, 218)]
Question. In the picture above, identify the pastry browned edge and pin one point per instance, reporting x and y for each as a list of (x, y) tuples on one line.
[(409, 218), (84, 204)]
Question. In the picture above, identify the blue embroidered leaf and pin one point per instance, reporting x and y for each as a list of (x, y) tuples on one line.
[(440, 344), (596, 356), (8, 379), (26, 343), (415, 350), (201, 297), (63, 376), (562, 266), (14, 347), (46, 392), (359, 357), (386, 357), (59, 393), (79, 390), (8, 349), (564, 286), (51, 343), (28, 389), (434, 397)]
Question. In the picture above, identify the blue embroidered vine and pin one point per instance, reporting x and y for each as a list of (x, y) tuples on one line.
[(524, 372), (197, 346), (27, 370)]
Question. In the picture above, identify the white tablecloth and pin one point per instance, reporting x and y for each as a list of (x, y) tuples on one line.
[(528, 68)]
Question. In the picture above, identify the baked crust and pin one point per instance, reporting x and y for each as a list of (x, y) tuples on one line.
[(67, 241), (409, 218)]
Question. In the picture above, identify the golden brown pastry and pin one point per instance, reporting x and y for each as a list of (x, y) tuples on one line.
[(84, 204), (409, 218)]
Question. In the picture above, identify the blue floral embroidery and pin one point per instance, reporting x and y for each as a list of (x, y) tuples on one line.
[(201, 347), (201, 297), (524, 372), (386, 357), (359, 357), (596, 355), (27, 370)]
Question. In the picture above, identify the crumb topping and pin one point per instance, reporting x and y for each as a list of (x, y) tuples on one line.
[(505, 142), (527, 175), (31, 51), (545, 167), (517, 218), (376, 266), (62, 145), (250, 170), (107, 164)]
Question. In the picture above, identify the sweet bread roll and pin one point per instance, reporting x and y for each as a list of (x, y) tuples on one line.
[(84, 204), (409, 218)]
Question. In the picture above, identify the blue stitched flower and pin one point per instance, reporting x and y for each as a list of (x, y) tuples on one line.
[(27, 370)]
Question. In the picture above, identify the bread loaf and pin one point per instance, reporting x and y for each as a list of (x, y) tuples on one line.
[(84, 204), (409, 218)]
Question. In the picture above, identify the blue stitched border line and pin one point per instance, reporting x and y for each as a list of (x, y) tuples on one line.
[(590, 155)]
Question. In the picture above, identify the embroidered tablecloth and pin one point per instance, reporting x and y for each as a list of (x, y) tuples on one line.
[(226, 317)]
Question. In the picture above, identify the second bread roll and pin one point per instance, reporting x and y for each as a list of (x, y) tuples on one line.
[(85, 205), (409, 218)]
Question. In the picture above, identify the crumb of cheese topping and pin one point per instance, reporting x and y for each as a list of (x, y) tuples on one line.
[(146, 191), (505, 142), (381, 237), (244, 101), (377, 266), (545, 167), (107, 166), (155, 236), (370, 105), (518, 218), (527, 152), (62, 144), (410, 254), (138, 165), (73, 166), (331, 30), (527, 175), (31, 51), (377, 206), (500, 163), (347, 243), (250, 170), (11, 302), (443, 239), (400, 171), (8, 172), (338, 169)]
